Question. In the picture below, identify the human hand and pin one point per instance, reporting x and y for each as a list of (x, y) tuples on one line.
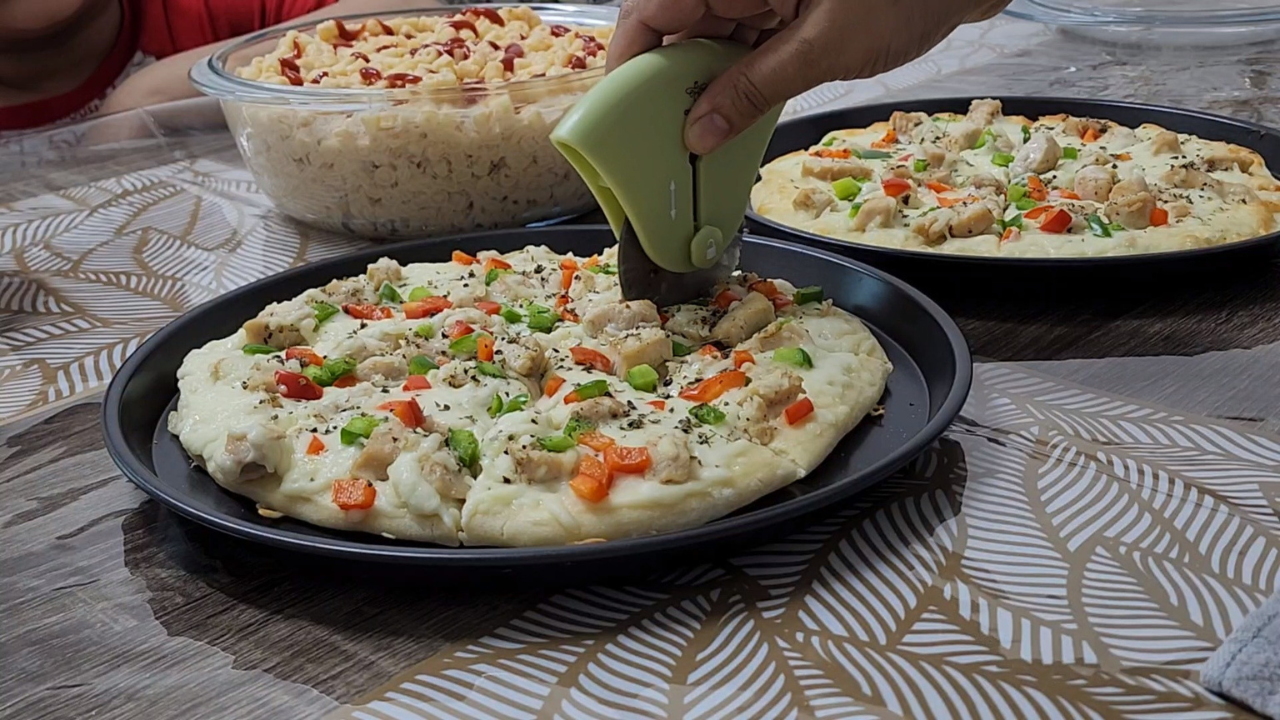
[(799, 44)]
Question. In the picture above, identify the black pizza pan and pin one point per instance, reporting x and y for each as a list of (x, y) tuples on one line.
[(929, 384), (932, 269)]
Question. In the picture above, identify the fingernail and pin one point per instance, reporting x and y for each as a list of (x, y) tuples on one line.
[(706, 133)]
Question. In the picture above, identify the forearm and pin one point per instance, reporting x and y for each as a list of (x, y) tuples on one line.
[(167, 81)]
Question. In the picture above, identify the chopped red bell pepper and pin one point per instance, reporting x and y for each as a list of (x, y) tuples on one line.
[(297, 386), (714, 386), (354, 494), (798, 410), (366, 311), (591, 358), (305, 354), (418, 309)]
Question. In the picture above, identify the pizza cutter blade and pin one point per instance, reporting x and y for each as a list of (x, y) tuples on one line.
[(642, 278), (677, 216)]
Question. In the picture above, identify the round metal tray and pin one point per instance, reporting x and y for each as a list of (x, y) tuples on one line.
[(929, 385)]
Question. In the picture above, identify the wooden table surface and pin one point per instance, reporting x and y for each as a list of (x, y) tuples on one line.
[(115, 608)]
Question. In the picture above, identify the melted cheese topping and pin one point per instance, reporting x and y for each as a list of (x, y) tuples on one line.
[(986, 184), (552, 347)]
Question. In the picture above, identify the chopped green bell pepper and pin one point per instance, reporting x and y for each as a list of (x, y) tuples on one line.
[(643, 378), (707, 415), (358, 428)]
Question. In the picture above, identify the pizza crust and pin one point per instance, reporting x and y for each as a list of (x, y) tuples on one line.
[(232, 419)]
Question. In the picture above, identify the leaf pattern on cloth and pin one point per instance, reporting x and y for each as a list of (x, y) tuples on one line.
[(88, 273), (1059, 554)]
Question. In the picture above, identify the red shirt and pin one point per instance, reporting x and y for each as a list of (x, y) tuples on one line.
[(151, 30)]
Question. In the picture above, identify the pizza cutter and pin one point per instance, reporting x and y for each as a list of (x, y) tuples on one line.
[(677, 216)]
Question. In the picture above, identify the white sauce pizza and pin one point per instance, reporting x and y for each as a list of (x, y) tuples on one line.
[(518, 400), (987, 184)]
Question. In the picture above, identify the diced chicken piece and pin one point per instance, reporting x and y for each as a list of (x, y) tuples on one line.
[(387, 367), (1188, 178), (1166, 142), (1131, 203), (1002, 142), (877, 212), (900, 171), (262, 379), (380, 450), (360, 347), (456, 374), (813, 201), (524, 357), (279, 325), (385, 270), (1178, 210), (646, 346), (1094, 157), (599, 410), (933, 227), (961, 136), (1040, 155), (1119, 138), (938, 176), (934, 155), (672, 461), (983, 180), (1238, 193), (584, 283), (441, 471), (1228, 161), (777, 387), (832, 169), (984, 112), (1078, 126), (620, 317), (755, 421), (692, 322), (535, 465), (245, 453), (468, 292), (904, 122), (747, 317), (777, 335), (1094, 183), (971, 220), (994, 199), (514, 286), (349, 291)]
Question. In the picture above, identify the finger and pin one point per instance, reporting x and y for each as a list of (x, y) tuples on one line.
[(766, 20), (642, 25), (737, 9), (785, 65), (708, 26), (745, 35)]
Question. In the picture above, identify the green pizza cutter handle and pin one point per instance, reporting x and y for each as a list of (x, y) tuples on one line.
[(625, 137)]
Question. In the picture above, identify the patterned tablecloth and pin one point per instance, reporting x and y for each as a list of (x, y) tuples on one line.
[(1061, 553)]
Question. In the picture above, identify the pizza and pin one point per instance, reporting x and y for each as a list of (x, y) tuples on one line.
[(516, 399), (984, 183)]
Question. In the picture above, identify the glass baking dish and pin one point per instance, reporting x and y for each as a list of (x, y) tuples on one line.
[(406, 162)]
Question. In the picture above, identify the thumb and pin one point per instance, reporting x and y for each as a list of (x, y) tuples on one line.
[(787, 64)]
